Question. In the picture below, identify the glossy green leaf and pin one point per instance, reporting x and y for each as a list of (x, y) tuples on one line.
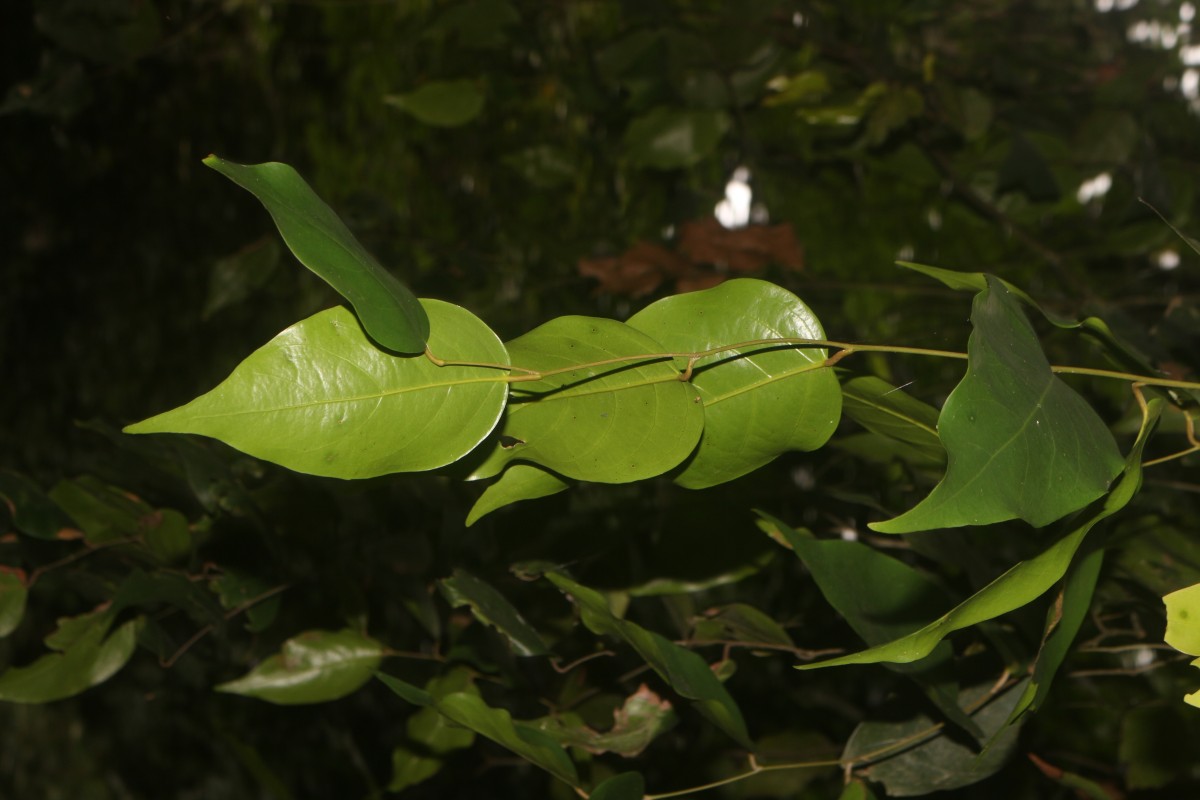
[(322, 242), (314, 667), (32, 512), (685, 671), (1063, 620), (937, 763), (626, 786), (759, 401), (1020, 442), (87, 656), (492, 608), (443, 104), (640, 719), (518, 482), (321, 398), (496, 724), (1021, 584), (1183, 627), (13, 595), (669, 138), (615, 423), (436, 735), (886, 410)]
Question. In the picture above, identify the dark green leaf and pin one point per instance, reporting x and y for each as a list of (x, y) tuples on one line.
[(314, 667), (626, 786), (669, 138), (238, 276), (434, 732), (1018, 586), (235, 590), (86, 658), (13, 594), (686, 672), (33, 512), (1020, 442), (496, 724), (321, 241), (743, 623), (856, 790), (759, 401), (321, 398), (444, 104), (492, 608), (886, 410), (938, 763)]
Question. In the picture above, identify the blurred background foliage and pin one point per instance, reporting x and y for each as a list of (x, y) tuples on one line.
[(526, 160)]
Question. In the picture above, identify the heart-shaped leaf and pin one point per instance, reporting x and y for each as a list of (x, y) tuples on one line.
[(760, 400), (1020, 443), (314, 667), (321, 398), (323, 243), (615, 423)]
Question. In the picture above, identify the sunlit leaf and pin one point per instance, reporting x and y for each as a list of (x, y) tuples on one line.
[(1018, 586), (321, 398), (314, 667), (1020, 442), (1183, 627), (496, 724), (492, 608), (686, 672), (937, 763), (87, 657), (759, 401), (518, 482), (443, 104), (321, 241), (613, 423)]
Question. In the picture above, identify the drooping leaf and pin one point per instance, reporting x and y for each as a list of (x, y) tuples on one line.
[(685, 671), (1020, 443), (1066, 615), (314, 667), (1183, 627), (13, 595), (1021, 584), (390, 313), (886, 410), (436, 735), (640, 719), (33, 513), (86, 658), (614, 423), (626, 786), (321, 398), (443, 104), (518, 482), (938, 763), (760, 400), (669, 138), (496, 724), (492, 608)]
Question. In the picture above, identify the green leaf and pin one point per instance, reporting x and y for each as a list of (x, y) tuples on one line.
[(234, 590), (856, 790), (642, 718), (759, 401), (86, 658), (1063, 621), (938, 763), (314, 667), (496, 724), (104, 512), (1183, 627), (238, 276), (492, 608), (885, 410), (1021, 584), (626, 786), (686, 672), (321, 398), (518, 482), (670, 138), (321, 241), (33, 512), (614, 423), (739, 622), (13, 594), (443, 104), (434, 732), (167, 535), (1020, 442)]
